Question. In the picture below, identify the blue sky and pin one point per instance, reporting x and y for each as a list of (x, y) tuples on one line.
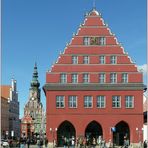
[(37, 30)]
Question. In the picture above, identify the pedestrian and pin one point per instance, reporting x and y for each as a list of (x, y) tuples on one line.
[(94, 142), (145, 144), (28, 142), (38, 143), (65, 142), (73, 142), (46, 142)]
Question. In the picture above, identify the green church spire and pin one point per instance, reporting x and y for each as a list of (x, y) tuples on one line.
[(35, 82)]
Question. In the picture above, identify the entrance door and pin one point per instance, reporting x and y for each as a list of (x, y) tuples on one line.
[(122, 131), (65, 130), (93, 130)]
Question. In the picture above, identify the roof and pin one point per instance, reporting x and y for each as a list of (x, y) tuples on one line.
[(5, 91)]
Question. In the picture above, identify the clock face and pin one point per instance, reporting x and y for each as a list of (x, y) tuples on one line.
[(32, 98)]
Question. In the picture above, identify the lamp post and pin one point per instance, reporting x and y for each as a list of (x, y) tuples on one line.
[(53, 131), (139, 132)]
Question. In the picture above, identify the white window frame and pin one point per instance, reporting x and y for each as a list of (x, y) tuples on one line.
[(102, 41), (102, 78), (113, 78), (74, 78), (128, 101), (87, 101), (117, 101), (86, 59), (85, 78), (63, 78), (86, 40), (71, 101), (101, 59), (101, 101), (74, 59), (60, 100), (124, 77), (113, 59)]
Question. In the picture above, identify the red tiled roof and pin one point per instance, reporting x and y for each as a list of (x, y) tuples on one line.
[(5, 91)]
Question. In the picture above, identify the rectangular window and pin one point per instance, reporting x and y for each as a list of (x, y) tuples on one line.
[(60, 101), (72, 101), (102, 40), (102, 78), (113, 78), (74, 60), (113, 59), (102, 59), (116, 101), (86, 41), (124, 78), (85, 78), (87, 101), (63, 78), (74, 78), (129, 101), (101, 101), (85, 59)]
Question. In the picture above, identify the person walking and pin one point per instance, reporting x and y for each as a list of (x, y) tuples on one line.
[(46, 142), (94, 142), (28, 142)]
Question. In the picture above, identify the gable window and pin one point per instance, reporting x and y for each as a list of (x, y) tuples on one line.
[(116, 101), (102, 40), (124, 78), (129, 101), (101, 101), (60, 102), (85, 59), (113, 78), (102, 59), (74, 78), (113, 59), (74, 60), (85, 78), (72, 101), (63, 78), (102, 78), (86, 41), (87, 101)]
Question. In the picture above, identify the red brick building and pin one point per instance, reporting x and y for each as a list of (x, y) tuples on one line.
[(94, 87)]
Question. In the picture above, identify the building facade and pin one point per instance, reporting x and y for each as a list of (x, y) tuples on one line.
[(14, 122), (33, 110), (5, 89), (10, 93), (94, 89)]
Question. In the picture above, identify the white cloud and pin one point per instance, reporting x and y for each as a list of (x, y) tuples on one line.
[(143, 68)]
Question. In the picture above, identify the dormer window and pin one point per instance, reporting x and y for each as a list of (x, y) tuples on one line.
[(94, 41), (102, 40), (85, 59), (113, 59), (74, 60), (86, 41)]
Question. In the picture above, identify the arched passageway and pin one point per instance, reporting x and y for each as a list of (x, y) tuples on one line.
[(93, 130), (65, 130), (121, 133)]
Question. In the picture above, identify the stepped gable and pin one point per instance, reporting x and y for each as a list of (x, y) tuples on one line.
[(94, 28)]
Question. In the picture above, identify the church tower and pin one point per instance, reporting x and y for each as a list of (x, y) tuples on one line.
[(33, 111), (34, 106)]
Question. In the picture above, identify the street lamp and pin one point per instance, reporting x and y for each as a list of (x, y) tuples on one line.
[(139, 132), (52, 131)]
